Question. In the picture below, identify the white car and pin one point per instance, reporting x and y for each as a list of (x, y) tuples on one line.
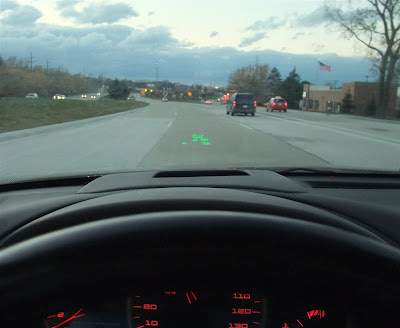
[(32, 95), (58, 96)]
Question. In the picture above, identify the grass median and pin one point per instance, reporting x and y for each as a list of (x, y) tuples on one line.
[(21, 113)]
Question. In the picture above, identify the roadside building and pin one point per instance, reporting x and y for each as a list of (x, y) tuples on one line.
[(363, 96)]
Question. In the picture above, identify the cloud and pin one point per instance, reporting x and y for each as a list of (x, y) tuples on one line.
[(252, 39), (270, 23), (120, 51), (151, 13), (21, 16), (96, 13), (213, 34), (7, 5), (154, 39), (317, 47), (297, 35), (314, 18), (62, 4)]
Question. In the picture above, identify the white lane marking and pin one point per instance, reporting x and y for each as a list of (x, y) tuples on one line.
[(170, 123), (336, 129), (246, 126)]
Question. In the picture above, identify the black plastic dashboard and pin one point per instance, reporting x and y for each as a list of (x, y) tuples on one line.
[(199, 249)]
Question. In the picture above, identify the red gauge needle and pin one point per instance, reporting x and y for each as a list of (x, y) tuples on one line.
[(72, 318)]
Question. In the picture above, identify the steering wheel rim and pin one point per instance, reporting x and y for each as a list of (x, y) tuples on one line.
[(196, 236)]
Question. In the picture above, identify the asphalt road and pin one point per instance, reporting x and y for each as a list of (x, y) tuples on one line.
[(181, 135)]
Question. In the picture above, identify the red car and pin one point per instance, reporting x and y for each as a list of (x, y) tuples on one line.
[(277, 103), (209, 101)]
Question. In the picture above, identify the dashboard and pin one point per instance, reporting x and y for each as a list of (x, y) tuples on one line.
[(240, 250), (195, 308)]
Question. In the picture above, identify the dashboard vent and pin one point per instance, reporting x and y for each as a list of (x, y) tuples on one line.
[(199, 173)]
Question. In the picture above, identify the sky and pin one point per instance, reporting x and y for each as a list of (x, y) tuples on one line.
[(190, 42)]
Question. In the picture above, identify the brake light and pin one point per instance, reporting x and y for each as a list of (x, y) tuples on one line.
[(255, 103), (285, 103), (234, 103), (273, 104)]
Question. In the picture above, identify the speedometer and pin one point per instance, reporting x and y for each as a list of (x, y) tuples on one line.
[(183, 308)]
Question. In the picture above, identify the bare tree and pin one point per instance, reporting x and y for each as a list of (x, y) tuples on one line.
[(250, 79), (376, 25)]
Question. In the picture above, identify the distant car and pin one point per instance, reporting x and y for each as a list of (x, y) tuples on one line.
[(93, 97), (32, 95), (209, 102), (241, 103), (165, 99), (219, 100), (131, 98), (84, 96), (277, 103), (58, 96), (98, 93)]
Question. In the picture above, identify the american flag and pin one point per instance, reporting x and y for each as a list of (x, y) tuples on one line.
[(324, 67)]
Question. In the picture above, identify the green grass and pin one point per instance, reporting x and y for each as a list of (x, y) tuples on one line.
[(21, 113)]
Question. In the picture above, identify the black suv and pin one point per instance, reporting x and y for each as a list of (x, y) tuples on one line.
[(241, 103)]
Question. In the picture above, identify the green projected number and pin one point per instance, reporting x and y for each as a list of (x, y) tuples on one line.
[(198, 138)]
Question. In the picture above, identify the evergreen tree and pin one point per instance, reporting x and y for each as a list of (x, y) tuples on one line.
[(118, 89), (292, 89), (347, 103), (274, 82)]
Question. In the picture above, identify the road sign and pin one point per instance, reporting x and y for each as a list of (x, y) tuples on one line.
[(189, 93)]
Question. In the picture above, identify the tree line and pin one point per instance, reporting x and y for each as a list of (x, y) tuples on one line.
[(17, 79), (265, 83)]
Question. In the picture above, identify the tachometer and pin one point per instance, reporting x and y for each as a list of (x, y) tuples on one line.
[(63, 319)]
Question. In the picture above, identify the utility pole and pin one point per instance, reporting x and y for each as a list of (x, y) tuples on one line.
[(336, 81), (47, 66), (31, 61), (366, 78), (157, 73)]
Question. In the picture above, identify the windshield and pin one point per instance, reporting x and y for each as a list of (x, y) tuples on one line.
[(244, 97), (92, 87)]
